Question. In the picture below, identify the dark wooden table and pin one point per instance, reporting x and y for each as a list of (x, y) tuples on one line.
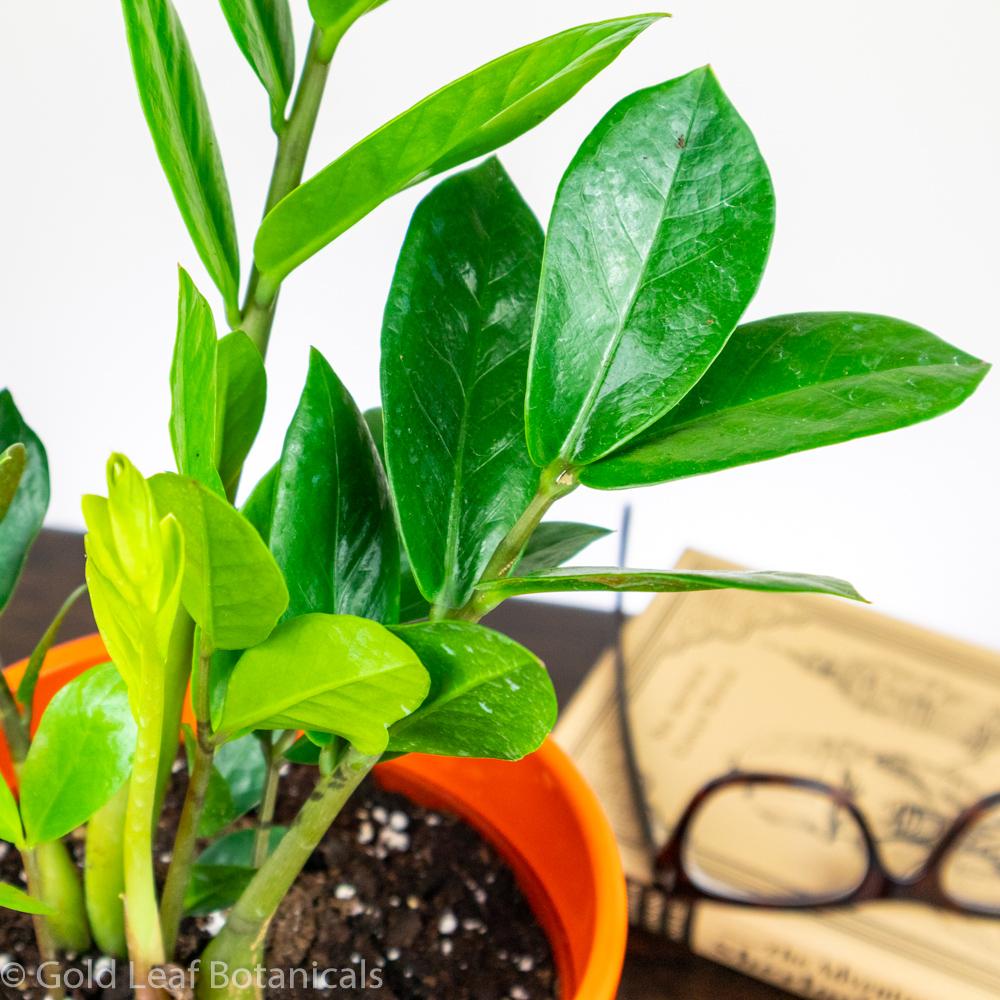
[(569, 640)]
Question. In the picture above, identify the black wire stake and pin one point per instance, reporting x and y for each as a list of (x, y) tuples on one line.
[(637, 789)]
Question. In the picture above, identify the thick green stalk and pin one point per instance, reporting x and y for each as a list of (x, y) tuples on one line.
[(274, 754), (60, 887), (47, 949), (289, 164), (14, 728), (557, 480), (179, 873), (178, 674), (240, 944), (104, 875), (142, 915)]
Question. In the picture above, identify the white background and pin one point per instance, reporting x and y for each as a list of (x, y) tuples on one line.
[(878, 120)]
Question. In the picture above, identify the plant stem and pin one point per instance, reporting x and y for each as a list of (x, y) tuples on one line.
[(142, 915), (179, 873), (60, 886), (274, 753), (104, 875), (14, 727), (289, 165), (47, 950), (240, 943), (557, 480)]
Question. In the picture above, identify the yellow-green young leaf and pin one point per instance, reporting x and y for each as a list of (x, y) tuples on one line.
[(474, 115), (10, 817), (177, 114), (329, 674), (135, 563), (26, 508), (80, 756), (232, 587), (241, 393), (489, 696), (657, 242), (340, 13), (263, 31), (12, 463), (193, 394), (12, 898)]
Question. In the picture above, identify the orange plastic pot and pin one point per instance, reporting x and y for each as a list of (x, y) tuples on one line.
[(538, 813)]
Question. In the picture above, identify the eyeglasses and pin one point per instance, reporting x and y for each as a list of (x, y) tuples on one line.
[(772, 840), (785, 842)]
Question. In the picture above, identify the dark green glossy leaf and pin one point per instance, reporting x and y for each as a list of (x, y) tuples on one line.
[(790, 383), (12, 463), (455, 343), (232, 587), (472, 116), (241, 395), (224, 870), (29, 679), (412, 604), (23, 520), (489, 696), (658, 240), (177, 113), (10, 816), (303, 751), (12, 898), (80, 756), (554, 542), (193, 393), (263, 31), (329, 674), (236, 783), (325, 510), (576, 578), (376, 427)]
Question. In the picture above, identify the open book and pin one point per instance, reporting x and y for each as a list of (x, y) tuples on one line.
[(907, 720)]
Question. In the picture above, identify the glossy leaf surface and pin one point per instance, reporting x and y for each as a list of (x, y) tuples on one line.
[(326, 673), (236, 783), (336, 13), (470, 117), (27, 507), (656, 581), (489, 696), (12, 463), (554, 542), (325, 509), (10, 817), (12, 898), (177, 114), (241, 393), (657, 242), (263, 31), (795, 382), (193, 396), (232, 587), (455, 345), (80, 756), (223, 870)]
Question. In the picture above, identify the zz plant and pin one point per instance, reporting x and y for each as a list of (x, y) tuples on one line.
[(342, 599)]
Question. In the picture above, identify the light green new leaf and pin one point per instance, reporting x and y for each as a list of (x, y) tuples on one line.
[(337, 13), (29, 679), (241, 395), (578, 578), (455, 343), (26, 508), (489, 696), (790, 383), (223, 870), (263, 31), (554, 542), (233, 589), (325, 509), (80, 756), (177, 114), (12, 898), (193, 395), (658, 240), (470, 117), (12, 463), (326, 673), (10, 817), (135, 563)]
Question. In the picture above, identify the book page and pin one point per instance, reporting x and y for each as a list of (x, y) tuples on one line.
[(907, 721)]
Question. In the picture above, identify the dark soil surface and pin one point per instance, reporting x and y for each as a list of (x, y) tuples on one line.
[(398, 903)]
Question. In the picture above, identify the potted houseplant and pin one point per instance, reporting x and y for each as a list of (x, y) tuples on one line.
[(333, 617)]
